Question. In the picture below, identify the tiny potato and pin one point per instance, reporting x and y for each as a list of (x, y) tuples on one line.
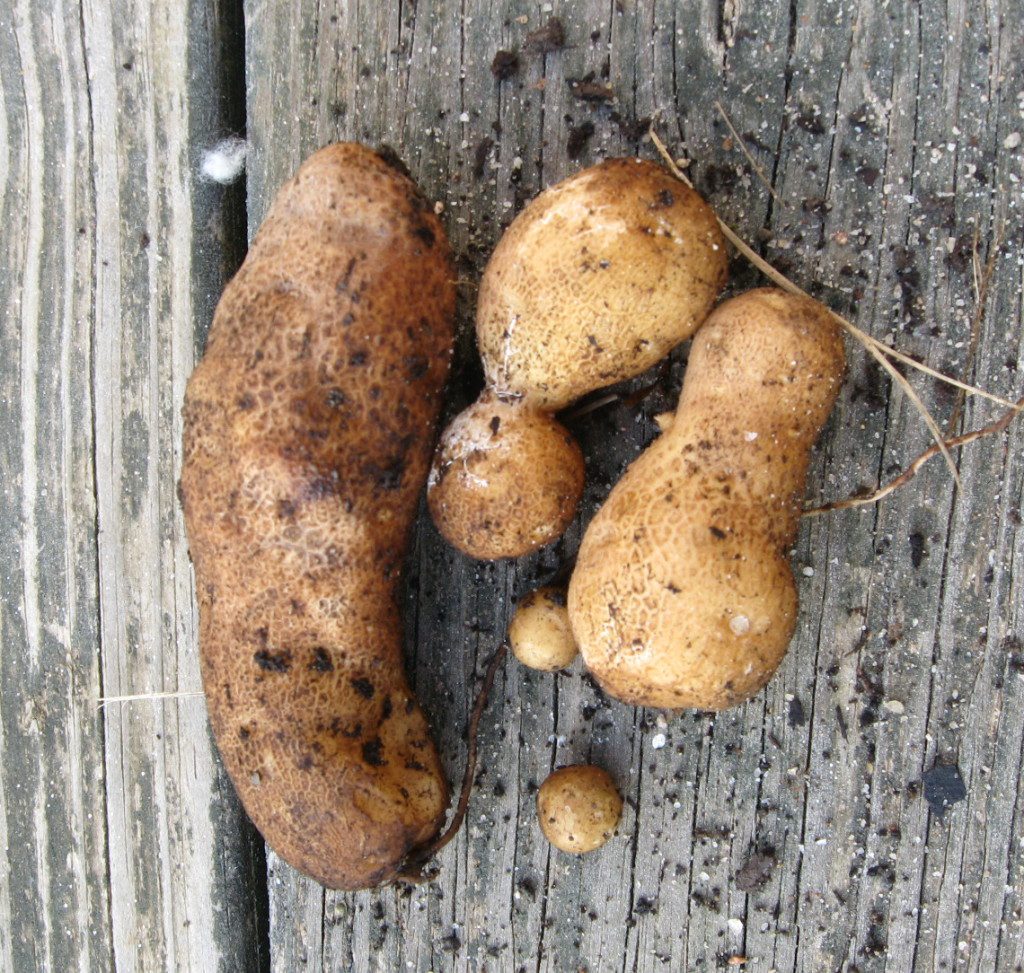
[(540, 634), (682, 594), (597, 279), (578, 808)]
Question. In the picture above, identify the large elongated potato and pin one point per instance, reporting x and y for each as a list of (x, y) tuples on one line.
[(597, 279), (308, 428), (683, 594)]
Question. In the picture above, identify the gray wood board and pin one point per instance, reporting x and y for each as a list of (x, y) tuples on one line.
[(125, 845), (882, 128)]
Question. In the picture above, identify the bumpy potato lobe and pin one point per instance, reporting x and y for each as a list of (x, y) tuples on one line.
[(683, 595), (597, 279), (308, 428)]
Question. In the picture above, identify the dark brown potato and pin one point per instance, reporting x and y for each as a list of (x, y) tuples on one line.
[(308, 429)]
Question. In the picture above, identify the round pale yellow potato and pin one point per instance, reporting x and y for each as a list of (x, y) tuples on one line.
[(682, 594), (579, 808), (597, 279), (540, 635)]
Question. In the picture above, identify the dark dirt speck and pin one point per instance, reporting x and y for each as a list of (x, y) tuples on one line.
[(917, 549), (579, 136), (796, 716), (544, 40), (756, 870), (364, 687), (505, 65), (943, 787)]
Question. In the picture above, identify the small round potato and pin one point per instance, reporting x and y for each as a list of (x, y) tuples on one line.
[(540, 635), (506, 479), (579, 808)]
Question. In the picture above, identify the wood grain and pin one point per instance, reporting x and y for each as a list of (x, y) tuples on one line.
[(887, 131), (881, 128), (118, 819)]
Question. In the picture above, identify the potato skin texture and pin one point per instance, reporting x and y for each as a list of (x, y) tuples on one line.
[(683, 595), (540, 634), (579, 808), (506, 478), (308, 428), (601, 276)]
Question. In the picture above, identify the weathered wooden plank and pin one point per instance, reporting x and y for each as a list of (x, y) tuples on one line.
[(173, 826), (54, 910), (842, 105), (126, 847)]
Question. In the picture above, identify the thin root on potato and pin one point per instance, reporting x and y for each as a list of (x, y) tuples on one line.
[(413, 871)]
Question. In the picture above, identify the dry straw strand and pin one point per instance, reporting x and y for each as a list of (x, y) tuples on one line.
[(878, 349), (149, 697)]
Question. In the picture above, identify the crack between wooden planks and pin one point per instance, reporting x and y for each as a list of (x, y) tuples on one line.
[(810, 744), (408, 60), (675, 71), (1017, 790), (1007, 910), (703, 763), (323, 929), (784, 120), (231, 116), (541, 944), (638, 733), (101, 716), (835, 123), (723, 36)]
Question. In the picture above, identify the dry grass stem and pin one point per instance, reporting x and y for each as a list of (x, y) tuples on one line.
[(911, 471), (878, 349), (743, 148), (137, 697), (418, 857), (585, 408)]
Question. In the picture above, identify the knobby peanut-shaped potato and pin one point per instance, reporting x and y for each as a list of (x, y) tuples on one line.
[(309, 424), (597, 279), (683, 594)]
